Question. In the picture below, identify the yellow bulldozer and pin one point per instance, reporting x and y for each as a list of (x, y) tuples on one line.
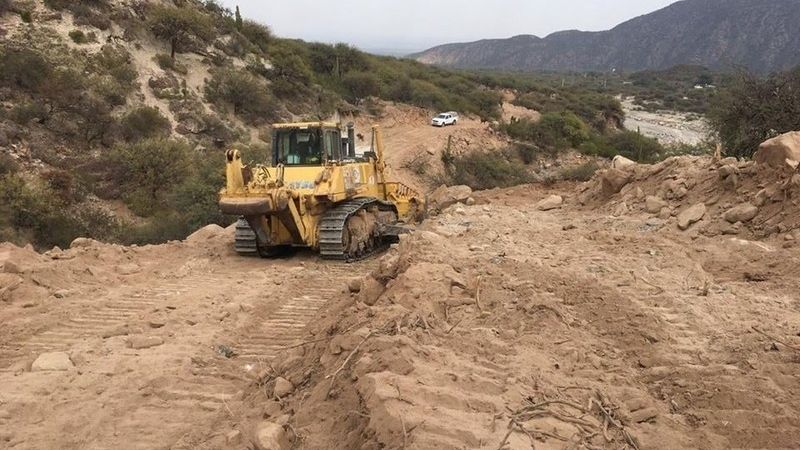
[(316, 192)]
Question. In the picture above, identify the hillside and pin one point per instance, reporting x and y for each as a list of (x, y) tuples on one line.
[(720, 34), (114, 114)]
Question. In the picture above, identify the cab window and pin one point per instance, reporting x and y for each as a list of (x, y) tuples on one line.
[(333, 146), (298, 147)]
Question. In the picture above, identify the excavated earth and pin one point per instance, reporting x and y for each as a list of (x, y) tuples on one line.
[(583, 321)]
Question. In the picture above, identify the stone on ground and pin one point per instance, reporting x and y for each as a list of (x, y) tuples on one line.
[(691, 215), (742, 213), (551, 202), (52, 362), (142, 342), (654, 204), (445, 196), (270, 436), (613, 180), (283, 387), (620, 161)]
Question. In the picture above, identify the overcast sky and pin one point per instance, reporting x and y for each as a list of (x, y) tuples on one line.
[(419, 24)]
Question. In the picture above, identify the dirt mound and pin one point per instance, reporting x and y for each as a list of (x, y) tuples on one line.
[(702, 195)]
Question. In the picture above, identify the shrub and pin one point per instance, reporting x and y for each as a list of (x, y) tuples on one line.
[(248, 95), (147, 169), (78, 37), (8, 165), (26, 16), (143, 123), (752, 109), (584, 172), (23, 68), (167, 63), (24, 113), (259, 35), (5, 6), (629, 144), (481, 171), (179, 25), (62, 183), (196, 199), (555, 131), (361, 85)]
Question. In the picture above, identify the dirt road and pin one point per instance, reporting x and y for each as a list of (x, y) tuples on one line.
[(188, 305)]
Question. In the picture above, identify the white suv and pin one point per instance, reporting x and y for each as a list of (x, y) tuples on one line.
[(444, 119)]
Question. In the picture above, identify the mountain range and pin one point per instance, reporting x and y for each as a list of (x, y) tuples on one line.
[(760, 35)]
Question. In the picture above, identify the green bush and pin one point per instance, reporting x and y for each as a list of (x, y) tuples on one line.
[(78, 37), (23, 68), (361, 85), (5, 6), (144, 122), (259, 35), (26, 16), (584, 172), (482, 171), (753, 109), (165, 62), (629, 144), (555, 131), (148, 169), (249, 95), (24, 113)]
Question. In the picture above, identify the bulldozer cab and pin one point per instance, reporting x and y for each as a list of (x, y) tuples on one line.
[(307, 144)]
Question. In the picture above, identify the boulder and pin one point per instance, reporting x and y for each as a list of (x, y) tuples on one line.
[(82, 242), (205, 233), (551, 202), (620, 161), (743, 213), (52, 362), (283, 387), (654, 204), (613, 180), (128, 269), (371, 290), (270, 436), (691, 215), (445, 196), (781, 151)]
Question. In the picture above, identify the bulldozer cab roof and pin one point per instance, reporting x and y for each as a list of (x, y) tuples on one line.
[(305, 125)]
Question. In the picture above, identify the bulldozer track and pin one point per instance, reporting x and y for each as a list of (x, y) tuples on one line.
[(332, 229), (172, 389)]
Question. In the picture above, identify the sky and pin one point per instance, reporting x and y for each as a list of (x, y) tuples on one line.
[(415, 25)]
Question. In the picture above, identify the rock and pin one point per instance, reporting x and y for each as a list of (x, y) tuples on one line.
[(82, 243), (233, 437), (781, 151), (371, 290), (644, 415), (726, 171), (551, 202), (142, 342), (232, 308), (613, 180), (470, 201), (128, 269), (654, 204), (61, 293), (691, 215), (445, 196), (620, 161), (117, 331), (270, 436), (354, 285), (743, 213), (283, 387), (157, 323), (52, 362)]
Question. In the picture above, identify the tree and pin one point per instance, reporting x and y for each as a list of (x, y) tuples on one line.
[(179, 25), (752, 109), (239, 22), (149, 168)]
